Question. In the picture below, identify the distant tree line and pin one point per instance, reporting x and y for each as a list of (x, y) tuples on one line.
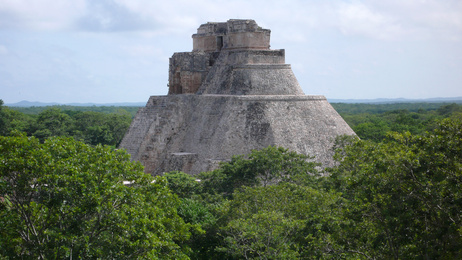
[(91, 127), (74, 109), (373, 122)]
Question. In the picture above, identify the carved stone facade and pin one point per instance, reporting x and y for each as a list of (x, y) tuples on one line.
[(188, 70), (234, 34), (230, 95)]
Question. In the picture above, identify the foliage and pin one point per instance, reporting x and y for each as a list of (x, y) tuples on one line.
[(65, 199), (373, 121), (263, 235), (107, 125), (264, 167), (98, 128), (379, 108), (182, 184), (283, 221), (211, 203), (200, 209), (91, 127), (71, 110), (52, 122), (3, 120), (11, 120), (404, 194)]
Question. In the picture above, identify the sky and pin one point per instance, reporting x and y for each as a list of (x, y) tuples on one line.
[(105, 51)]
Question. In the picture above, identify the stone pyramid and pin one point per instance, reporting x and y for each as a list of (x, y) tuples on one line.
[(230, 95)]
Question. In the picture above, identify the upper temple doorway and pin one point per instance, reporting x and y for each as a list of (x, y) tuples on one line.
[(219, 43)]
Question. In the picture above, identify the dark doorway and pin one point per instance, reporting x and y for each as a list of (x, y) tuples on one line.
[(219, 42)]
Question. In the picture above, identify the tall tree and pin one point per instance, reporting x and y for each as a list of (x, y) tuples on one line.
[(404, 194), (255, 205), (283, 221), (65, 199), (263, 167), (4, 122), (52, 122)]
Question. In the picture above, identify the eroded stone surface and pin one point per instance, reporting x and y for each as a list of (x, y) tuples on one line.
[(227, 99)]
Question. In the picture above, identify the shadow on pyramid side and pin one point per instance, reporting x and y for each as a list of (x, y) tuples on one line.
[(230, 95)]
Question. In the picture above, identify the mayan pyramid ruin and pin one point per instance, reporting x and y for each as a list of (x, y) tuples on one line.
[(230, 95)]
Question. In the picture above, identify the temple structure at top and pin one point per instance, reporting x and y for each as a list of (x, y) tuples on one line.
[(244, 63), (234, 34)]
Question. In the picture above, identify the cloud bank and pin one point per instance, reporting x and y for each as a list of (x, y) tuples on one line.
[(392, 19)]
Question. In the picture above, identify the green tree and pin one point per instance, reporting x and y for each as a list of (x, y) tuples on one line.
[(449, 109), (90, 128), (182, 184), (283, 221), (264, 167), (4, 123), (404, 194), (118, 124), (200, 209), (375, 130), (11, 120), (207, 199), (373, 121), (19, 121), (65, 199), (263, 235), (101, 128), (52, 122)]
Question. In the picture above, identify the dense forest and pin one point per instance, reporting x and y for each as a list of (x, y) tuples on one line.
[(395, 193), (92, 125), (74, 109), (374, 121)]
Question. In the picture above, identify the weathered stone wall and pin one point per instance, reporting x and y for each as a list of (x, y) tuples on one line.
[(187, 71), (251, 73), (236, 72), (246, 34), (242, 57), (224, 101), (193, 132), (247, 40), (234, 34), (205, 40), (208, 43)]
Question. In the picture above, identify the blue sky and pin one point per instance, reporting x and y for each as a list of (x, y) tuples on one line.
[(117, 50)]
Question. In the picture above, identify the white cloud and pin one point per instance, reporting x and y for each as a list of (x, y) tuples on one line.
[(378, 19)]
